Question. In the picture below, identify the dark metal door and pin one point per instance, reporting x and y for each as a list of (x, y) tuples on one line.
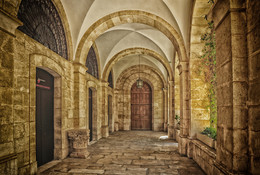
[(44, 117), (141, 107), (90, 122), (110, 113)]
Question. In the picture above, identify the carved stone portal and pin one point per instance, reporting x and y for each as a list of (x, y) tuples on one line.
[(78, 140)]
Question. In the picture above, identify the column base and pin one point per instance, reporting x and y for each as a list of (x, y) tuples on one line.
[(183, 145), (105, 131), (78, 139), (171, 132), (165, 127)]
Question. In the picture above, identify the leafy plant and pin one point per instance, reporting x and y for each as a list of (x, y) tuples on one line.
[(211, 132), (208, 67), (178, 119)]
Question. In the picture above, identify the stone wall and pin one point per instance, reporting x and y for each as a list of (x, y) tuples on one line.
[(199, 88), (20, 57), (7, 144), (253, 103)]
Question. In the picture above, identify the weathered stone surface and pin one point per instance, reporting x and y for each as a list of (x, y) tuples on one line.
[(131, 152)]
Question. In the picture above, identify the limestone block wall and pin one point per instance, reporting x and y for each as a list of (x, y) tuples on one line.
[(123, 86), (29, 54), (21, 55), (253, 103), (7, 125)]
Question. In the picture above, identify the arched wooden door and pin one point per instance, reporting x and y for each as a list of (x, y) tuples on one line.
[(44, 117), (141, 107)]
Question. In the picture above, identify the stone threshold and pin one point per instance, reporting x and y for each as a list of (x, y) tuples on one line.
[(47, 166)]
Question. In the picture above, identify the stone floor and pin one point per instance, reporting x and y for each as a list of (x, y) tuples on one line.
[(129, 152)]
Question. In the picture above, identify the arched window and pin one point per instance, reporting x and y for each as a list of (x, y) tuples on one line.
[(42, 22), (110, 80), (91, 63)]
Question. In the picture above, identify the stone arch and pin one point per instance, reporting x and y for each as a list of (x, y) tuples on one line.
[(137, 50), (94, 87), (123, 86), (49, 65), (43, 23), (129, 16)]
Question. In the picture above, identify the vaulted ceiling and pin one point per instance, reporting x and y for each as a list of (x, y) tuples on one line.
[(82, 14)]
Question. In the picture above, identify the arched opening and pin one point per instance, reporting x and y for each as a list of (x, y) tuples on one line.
[(141, 107), (44, 117)]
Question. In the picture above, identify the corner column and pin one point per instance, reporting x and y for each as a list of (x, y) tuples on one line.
[(116, 92), (171, 131), (104, 128), (232, 89), (165, 109), (184, 108), (80, 98)]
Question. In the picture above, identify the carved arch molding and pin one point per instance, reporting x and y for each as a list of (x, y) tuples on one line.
[(42, 22)]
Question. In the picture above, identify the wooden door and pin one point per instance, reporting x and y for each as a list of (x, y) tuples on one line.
[(90, 122), (44, 117), (141, 107)]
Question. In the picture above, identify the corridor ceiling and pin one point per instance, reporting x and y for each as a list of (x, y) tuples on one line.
[(82, 14)]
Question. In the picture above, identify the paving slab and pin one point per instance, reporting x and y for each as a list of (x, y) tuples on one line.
[(128, 153)]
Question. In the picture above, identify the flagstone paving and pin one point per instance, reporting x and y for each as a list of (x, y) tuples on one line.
[(129, 152)]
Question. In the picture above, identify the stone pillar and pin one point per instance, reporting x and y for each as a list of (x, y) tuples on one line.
[(232, 78), (171, 130), (165, 109), (78, 140), (116, 127), (185, 107), (105, 129), (80, 97), (253, 103), (10, 132)]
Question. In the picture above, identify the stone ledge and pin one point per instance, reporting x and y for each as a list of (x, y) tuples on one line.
[(206, 140)]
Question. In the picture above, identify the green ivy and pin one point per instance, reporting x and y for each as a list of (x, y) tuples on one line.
[(178, 119), (211, 132), (208, 67)]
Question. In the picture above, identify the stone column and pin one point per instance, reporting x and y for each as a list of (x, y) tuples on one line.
[(105, 129), (232, 78), (165, 109), (80, 97), (116, 110), (253, 103), (184, 108), (78, 140), (171, 130), (10, 132)]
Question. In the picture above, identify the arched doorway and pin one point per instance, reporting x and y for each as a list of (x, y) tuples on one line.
[(141, 107), (44, 117)]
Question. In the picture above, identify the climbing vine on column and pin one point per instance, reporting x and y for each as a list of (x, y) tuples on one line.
[(208, 67)]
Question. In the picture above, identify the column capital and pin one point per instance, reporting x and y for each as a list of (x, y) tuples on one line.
[(80, 68), (184, 66), (104, 83), (8, 22), (171, 83)]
